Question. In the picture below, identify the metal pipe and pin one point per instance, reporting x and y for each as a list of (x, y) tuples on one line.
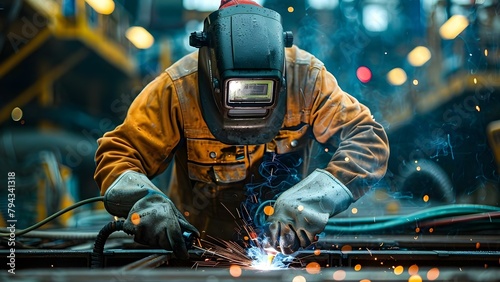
[(151, 261)]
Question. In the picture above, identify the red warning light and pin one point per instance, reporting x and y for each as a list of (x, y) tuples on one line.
[(364, 74)]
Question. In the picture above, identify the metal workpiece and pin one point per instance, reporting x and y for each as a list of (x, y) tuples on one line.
[(215, 274), (151, 261)]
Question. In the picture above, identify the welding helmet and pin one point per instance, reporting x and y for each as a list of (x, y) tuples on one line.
[(241, 72)]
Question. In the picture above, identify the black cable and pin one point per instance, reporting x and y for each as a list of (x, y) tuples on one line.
[(426, 173), (98, 251), (52, 217), (97, 257)]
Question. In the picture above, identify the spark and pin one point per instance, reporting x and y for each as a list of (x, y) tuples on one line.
[(398, 270), (299, 278), (228, 210), (346, 248), (268, 210), (226, 253), (235, 271), (313, 268), (415, 278), (413, 269), (135, 218), (339, 275), (433, 274), (278, 174)]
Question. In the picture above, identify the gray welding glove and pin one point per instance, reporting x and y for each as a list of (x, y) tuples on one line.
[(302, 211), (150, 215)]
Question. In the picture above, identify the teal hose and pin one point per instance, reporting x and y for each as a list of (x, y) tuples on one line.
[(259, 218), (368, 224)]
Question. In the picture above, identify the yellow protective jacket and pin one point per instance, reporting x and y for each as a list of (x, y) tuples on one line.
[(164, 123)]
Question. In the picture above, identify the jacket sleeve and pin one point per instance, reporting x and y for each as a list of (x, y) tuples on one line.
[(145, 140), (362, 144)]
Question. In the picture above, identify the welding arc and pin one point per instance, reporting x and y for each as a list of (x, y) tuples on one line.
[(4, 232), (366, 224), (228, 253)]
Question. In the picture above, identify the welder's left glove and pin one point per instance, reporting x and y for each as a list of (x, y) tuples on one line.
[(150, 215), (302, 211)]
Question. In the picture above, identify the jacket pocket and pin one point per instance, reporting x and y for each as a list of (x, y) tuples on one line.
[(290, 140), (212, 161)]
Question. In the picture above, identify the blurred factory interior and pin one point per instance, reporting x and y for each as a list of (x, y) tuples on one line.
[(428, 69)]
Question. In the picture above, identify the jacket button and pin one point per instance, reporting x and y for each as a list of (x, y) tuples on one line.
[(294, 143), (213, 155)]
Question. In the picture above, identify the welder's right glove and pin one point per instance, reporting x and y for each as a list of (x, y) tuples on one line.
[(302, 211), (151, 215)]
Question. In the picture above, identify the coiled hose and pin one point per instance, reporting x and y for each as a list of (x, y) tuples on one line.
[(427, 177), (98, 251)]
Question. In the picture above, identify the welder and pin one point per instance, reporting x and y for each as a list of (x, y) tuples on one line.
[(212, 117)]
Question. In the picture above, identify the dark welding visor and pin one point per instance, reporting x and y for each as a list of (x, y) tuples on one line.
[(241, 73)]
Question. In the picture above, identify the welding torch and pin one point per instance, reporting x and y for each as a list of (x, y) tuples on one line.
[(113, 226)]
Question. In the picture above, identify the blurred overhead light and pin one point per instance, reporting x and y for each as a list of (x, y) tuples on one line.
[(204, 5), (419, 56), (453, 27), (364, 74), (397, 76), (104, 7), (375, 18), (140, 37), (201, 5), (323, 4), (16, 114)]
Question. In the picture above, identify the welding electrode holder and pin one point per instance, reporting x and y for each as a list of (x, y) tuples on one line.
[(149, 213), (189, 237), (97, 256)]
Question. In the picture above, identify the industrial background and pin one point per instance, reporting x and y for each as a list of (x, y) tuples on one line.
[(428, 69)]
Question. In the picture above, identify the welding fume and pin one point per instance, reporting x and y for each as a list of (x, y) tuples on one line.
[(237, 125)]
